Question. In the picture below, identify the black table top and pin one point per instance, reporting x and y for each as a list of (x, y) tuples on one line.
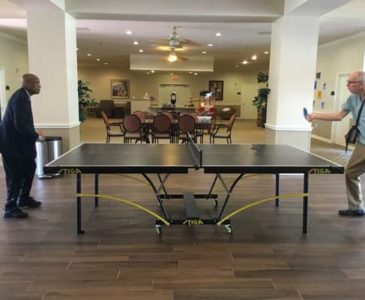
[(178, 158)]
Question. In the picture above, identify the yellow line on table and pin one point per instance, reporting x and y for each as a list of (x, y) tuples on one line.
[(247, 206), (125, 202)]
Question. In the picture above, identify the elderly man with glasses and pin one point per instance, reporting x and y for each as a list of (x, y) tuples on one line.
[(356, 165)]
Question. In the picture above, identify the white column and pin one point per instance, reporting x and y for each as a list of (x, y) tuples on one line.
[(52, 56), (294, 46)]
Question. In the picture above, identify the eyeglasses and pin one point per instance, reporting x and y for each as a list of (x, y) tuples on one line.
[(354, 81)]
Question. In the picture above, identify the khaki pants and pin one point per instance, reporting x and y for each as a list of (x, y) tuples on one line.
[(355, 168)]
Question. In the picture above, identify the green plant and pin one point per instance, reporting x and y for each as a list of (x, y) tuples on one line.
[(84, 99), (260, 101)]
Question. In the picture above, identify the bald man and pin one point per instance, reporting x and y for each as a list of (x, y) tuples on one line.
[(17, 145), (356, 165)]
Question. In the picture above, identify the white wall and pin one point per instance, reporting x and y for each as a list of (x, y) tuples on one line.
[(14, 62), (341, 56)]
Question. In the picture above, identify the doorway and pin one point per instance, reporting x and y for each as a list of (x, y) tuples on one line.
[(342, 93), (2, 92)]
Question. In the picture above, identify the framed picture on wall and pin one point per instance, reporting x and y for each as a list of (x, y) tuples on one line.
[(120, 88), (216, 87)]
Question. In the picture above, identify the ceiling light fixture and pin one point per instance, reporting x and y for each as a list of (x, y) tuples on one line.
[(98, 59), (218, 34), (204, 52), (140, 50), (254, 57), (89, 54), (245, 62), (210, 45), (135, 43), (105, 63), (172, 56), (152, 71), (266, 52), (128, 32)]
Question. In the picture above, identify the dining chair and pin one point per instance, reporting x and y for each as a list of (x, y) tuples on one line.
[(162, 128), (186, 125), (223, 131), (109, 127), (133, 129)]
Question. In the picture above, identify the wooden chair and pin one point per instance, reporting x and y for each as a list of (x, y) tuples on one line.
[(186, 124), (133, 129), (109, 125), (223, 131), (162, 128)]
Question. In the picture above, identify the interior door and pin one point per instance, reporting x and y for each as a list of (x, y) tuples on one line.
[(248, 93), (342, 127)]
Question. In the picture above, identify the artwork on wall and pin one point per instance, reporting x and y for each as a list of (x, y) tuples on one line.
[(216, 86), (120, 88)]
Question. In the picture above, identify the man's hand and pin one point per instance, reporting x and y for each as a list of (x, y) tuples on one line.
[(41, 136)]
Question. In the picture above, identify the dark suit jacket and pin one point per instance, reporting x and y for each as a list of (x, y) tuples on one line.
[(17, 134)]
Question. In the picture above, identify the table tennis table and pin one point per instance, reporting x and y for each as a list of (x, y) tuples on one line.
[(162, 160)]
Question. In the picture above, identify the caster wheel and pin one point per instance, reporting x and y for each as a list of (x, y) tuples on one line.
[(158, 229), (228, 228)]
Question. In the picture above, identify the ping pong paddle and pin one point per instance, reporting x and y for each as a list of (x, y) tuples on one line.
[(305, 113)]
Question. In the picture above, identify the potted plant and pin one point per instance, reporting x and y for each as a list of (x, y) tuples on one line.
[(85, 100), (260, 101)]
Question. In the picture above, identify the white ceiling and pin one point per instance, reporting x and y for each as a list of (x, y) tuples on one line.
[(245, 26)]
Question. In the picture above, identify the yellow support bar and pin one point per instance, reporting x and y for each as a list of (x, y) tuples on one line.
[(247, 206), (126, 202)]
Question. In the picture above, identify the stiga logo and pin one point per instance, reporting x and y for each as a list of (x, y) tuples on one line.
[(70, 171), (193, 222), (320, 171)]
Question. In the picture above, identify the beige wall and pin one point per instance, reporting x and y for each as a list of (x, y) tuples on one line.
[(140, 83), (341, 56), (13, 62)]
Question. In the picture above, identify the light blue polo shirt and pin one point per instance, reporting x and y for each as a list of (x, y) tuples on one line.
[(353, 104)]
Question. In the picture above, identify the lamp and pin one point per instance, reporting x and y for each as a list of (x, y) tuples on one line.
[(172, 56)]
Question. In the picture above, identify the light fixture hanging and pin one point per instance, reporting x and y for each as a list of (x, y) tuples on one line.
[(172, 56)]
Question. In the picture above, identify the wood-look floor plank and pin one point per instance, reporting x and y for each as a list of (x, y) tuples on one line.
[(121, 256)]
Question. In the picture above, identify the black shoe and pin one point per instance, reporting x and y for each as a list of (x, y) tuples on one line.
[(15, 213), (351, 213), (29, 203)]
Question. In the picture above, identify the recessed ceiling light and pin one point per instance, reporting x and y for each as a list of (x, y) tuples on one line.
[(266, 52), (89, 54), (210, 45), (135, 43), (141, 50), (152, 71), (237, 66), (105, 63), (98, 59), (245, 62), (190, 72), (218, 34), (254, 57), (204, 52), (195, 74), (128, 32), (148, 73)]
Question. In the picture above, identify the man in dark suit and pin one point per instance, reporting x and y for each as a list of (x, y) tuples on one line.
[(17, 145)]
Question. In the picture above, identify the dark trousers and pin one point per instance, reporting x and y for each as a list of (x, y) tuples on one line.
[(19, 174)]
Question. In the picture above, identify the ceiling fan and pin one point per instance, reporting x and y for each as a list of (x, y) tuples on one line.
[(173, 44)]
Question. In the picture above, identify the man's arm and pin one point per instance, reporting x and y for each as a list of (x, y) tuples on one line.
[(330, 116)]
